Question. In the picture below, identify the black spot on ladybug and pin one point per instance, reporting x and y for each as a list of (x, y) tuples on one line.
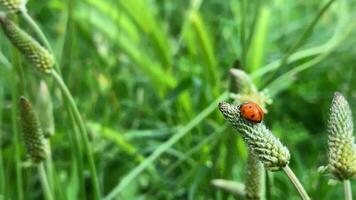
[(252, 116), (250, 107)]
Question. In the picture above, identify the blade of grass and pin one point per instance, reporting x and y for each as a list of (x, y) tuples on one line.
[(82, 130), (251, 35), (17, 90), (243, 33), (306, 33), (4, 61), (255, 55), (206, 46), (70, 104), (76, 149), (162, 148), (195, 149), (142, 15), (2, 173), (287, 78), (150, 67)]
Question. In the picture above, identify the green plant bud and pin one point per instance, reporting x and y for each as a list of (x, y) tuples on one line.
[(341, 149), (29, 47), (254, 183), (243, 82), (259, 139), (44, 108), (32, 133), (245, 90), (11, 5)]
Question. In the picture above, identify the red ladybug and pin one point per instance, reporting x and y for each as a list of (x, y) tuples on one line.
[(252, 112)]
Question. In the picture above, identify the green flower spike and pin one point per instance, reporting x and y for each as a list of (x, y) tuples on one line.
[(11, 5), (245, 90), (259, 139), (341, 142), (32, 133), (29, 47), (254, 184)]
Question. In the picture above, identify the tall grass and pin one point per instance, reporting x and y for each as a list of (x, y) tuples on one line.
[(139, 85)]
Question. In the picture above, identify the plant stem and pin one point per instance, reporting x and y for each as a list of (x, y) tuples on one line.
[(303, 194), (73, 111), (242, 34), (36, 28), (78, 153), (347, 190), (305, 34), (2, 170), (17, 89), (82, 131), (44, 182)]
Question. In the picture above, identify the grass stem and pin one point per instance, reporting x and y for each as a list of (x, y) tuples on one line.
[(347, 190), (82, 130), (303, 194), (37, 29), (44, 182)]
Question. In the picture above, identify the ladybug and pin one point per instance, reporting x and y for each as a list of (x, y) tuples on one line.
[(252, 112)]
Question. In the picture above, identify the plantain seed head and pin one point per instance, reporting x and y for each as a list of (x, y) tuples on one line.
[(29, 47), (270, 151), (341, 142), (32, 133)]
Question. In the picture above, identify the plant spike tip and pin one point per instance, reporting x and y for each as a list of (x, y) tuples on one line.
[(29, 47), (32, 133), (341, 142)]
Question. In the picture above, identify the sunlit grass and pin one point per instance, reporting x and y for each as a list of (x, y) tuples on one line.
[(146, 77)]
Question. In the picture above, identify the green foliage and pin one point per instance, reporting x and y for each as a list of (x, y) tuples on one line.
[(147, 76)]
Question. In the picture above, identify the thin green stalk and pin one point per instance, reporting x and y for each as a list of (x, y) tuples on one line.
[(347, 190), (2, 173), (44, 181), (251, 34), (49, 166), (306, 33), (303, 194), (164, 147), (78, 153), (4, 61), (15, 139), (18, 88), (53, 176), (37, 29), (71, 111), (39, 33), (82, 131), (242, 34)]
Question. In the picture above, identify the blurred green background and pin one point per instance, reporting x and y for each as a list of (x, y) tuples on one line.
[(147, 75)]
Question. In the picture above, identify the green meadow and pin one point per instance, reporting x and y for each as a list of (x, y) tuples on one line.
[(118, 99)]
